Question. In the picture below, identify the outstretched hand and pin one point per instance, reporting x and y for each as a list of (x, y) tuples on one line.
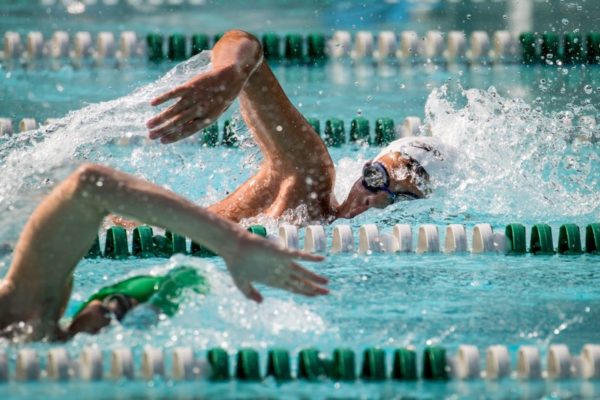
[(201, 101), (257, 260)]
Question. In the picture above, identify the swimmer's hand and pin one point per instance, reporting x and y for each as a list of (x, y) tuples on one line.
[(257, 260), (201, 101)]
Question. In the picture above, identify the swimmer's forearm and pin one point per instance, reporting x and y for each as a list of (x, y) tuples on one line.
[(239, 50), (122, 194)]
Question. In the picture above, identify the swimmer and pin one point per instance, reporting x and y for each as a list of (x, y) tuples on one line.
[(297, 168), (60, 231), (162, 294)]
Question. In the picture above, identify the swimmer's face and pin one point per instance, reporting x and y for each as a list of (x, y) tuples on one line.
[(402, 180)]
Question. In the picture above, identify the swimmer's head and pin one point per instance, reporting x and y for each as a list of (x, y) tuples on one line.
[(392, 176)]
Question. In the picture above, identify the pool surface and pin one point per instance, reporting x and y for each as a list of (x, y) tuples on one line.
[(527, 154)]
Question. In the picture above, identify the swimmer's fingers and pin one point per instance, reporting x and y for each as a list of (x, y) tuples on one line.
[(167, 114), (304, 273), (303, 287), (248, 290), (302, 255), (175, 125), (172, 94), (188, 130)]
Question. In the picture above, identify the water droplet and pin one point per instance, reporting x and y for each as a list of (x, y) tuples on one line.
[(588, 89), (279, 128), (564, 21)]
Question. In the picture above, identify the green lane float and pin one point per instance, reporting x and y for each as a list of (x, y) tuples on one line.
[(335, 135), (569, 240), (592, 42), (316, 125), (385, 131), (258, 230), (278, 365), (573, 48), (270, 45), (116, 243), (200, 42), (529, 47), (310, 365), (229, 137), (162, 246), (142, 245), (210, 135), (154, 43), (434, 363), (315, 47), (550, 47), (177, 50), (373, 367), (294, 47), (404, 366), (343, 366), (197, 250), (592, 238), (176, 242), (247, 367), (359, 130), (218, 359), (541, 240), (94, 251), (515, 235)]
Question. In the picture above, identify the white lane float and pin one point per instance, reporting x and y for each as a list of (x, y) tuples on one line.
[(121, 364), (183, 364), (27, 124), (456, 239), (12, 45), (153, 363), (288, 236), (497, 362), (315, 240), (387, 45), (411, 126), (457, 46), (428, 240), (59, 45), (465, 365), (505, 47), (343, 239), (128, 44), (82, 44), (91, 367), (58, 364), (28, 365), (368, 239), (363, 45), (35, 45), (410, 46), (105, 45), (434, 45), (480, 47), (340, 44), (6, 127), (529, 365), (559, 362), (403, 235), (483, 239)]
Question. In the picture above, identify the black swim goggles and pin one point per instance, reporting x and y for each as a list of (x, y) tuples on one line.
[(375, 178), (118, 304)]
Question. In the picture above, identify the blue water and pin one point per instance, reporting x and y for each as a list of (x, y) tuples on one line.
[(519, 163)]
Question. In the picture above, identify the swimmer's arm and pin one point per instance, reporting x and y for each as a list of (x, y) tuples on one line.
[(204, 98)]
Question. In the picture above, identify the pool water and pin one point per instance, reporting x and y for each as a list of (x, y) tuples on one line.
[(524, 156)]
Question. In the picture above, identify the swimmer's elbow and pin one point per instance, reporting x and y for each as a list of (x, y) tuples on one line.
[(248, 46)]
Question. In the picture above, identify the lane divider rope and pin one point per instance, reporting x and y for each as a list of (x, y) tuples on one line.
[(371, 240), (312, 365), (434, 46)]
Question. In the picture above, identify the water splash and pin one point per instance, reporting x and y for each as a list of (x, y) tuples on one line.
[(515, 159), (33, 161)]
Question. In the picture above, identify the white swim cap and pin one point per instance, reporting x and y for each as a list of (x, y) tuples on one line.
[(433, 155)]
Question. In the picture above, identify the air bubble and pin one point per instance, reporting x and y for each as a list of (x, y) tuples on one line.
[(279, 128)]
